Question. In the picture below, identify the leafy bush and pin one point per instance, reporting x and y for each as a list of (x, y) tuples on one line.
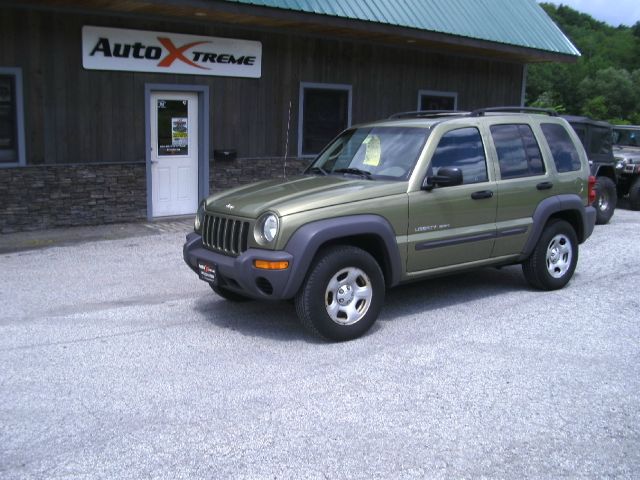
[(604, 83)]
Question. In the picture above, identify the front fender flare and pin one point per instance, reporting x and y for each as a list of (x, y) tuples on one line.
[(307, 240)]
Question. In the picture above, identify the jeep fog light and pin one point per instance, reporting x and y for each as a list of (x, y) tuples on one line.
[(267, 228)]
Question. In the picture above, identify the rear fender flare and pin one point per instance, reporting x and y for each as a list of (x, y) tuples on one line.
[(550, 206)]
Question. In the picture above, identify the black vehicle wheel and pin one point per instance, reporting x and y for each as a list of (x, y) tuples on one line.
[(606, 199), (554, 259), (634, 195), (342, 294), (228, 294)]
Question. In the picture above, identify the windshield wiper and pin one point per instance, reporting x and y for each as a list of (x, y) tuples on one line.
[(354, 171), (318, 170)]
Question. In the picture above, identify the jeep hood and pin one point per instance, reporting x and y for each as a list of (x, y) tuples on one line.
[(299, 194), (630, 154)]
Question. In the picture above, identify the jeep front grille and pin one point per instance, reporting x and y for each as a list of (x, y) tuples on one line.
[(225, 235)]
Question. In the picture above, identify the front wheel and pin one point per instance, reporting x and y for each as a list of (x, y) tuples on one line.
[(606, 199), (342, 294), (554, 259)]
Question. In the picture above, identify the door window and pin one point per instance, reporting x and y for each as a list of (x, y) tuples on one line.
[(518, 152), (173, 127), (463, 149), (565, 155), (600, 141)]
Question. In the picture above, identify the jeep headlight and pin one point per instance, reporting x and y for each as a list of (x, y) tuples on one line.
[(197, 224), (267, 228)]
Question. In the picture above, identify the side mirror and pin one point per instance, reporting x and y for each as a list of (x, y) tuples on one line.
[(447, 177)]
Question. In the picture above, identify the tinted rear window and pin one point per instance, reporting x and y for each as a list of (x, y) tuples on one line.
[(518, 151), (600, 143), (564, 152)]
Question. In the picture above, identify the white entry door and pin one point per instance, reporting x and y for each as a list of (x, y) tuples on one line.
[(174, 153)]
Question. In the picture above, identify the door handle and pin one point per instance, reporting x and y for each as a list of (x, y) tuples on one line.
[(482, 194), (154, 161), (544, 186)]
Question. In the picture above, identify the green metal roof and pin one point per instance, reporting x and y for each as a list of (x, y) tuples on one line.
[(522, 23)]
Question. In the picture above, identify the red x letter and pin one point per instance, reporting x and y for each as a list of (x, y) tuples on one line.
[(176, 53)]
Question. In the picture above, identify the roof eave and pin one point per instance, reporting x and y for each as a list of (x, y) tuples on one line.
[(220, 11)]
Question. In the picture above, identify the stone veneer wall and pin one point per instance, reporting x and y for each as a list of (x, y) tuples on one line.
[(40, 197), (49, 196)]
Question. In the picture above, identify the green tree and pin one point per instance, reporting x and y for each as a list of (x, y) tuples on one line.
[(596, 107), (611, 92), (599, 83)]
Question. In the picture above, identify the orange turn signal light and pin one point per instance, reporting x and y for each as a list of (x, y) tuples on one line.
[(268, 265)]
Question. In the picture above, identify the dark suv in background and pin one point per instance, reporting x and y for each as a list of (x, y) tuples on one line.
[(626, 150), (596, 137)]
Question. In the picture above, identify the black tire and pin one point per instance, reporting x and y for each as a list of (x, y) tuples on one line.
[(228, 294), (554, 259), (346, 281), (606, 199), (634, 195)]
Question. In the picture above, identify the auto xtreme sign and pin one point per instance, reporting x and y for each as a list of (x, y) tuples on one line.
[(157, 52)]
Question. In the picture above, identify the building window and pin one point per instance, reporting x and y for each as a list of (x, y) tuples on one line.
[(325, 111), (434, 100), (11, 118), (518, 151)]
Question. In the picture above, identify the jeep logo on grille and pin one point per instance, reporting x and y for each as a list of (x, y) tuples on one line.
[(229, 206)]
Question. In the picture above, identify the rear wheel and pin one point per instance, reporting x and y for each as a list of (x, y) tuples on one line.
[(606, 199), (554, 259), (342, 294), (634, 194)]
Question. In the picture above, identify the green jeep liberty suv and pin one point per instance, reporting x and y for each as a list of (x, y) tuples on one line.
[(415, 196)]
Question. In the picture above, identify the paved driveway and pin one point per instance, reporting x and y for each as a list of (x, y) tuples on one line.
[(117, 362)]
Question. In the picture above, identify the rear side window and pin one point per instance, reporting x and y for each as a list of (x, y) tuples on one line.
[(518, 151), (462, 149), (564, 152), (600, 142), (581, 132)]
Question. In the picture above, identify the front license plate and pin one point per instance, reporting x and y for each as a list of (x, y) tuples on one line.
[(208, 272)]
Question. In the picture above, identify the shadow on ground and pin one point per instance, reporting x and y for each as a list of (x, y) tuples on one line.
[(278, 321)]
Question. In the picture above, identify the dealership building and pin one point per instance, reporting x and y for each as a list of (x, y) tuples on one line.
[(133, 110)]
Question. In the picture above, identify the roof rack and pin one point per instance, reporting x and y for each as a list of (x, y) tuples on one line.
[(428, 114), (481, 111)]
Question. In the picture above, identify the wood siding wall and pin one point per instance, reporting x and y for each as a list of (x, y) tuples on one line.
[(74, 115)]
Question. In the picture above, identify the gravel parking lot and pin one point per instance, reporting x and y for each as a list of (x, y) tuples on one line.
[(117, 362)]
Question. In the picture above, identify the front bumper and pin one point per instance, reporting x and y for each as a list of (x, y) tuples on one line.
[(239, 274)]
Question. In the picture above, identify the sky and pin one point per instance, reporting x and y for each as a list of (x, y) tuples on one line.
[(613, 12)]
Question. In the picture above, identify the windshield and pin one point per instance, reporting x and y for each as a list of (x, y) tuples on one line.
[(376, 153), (626, 137)]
